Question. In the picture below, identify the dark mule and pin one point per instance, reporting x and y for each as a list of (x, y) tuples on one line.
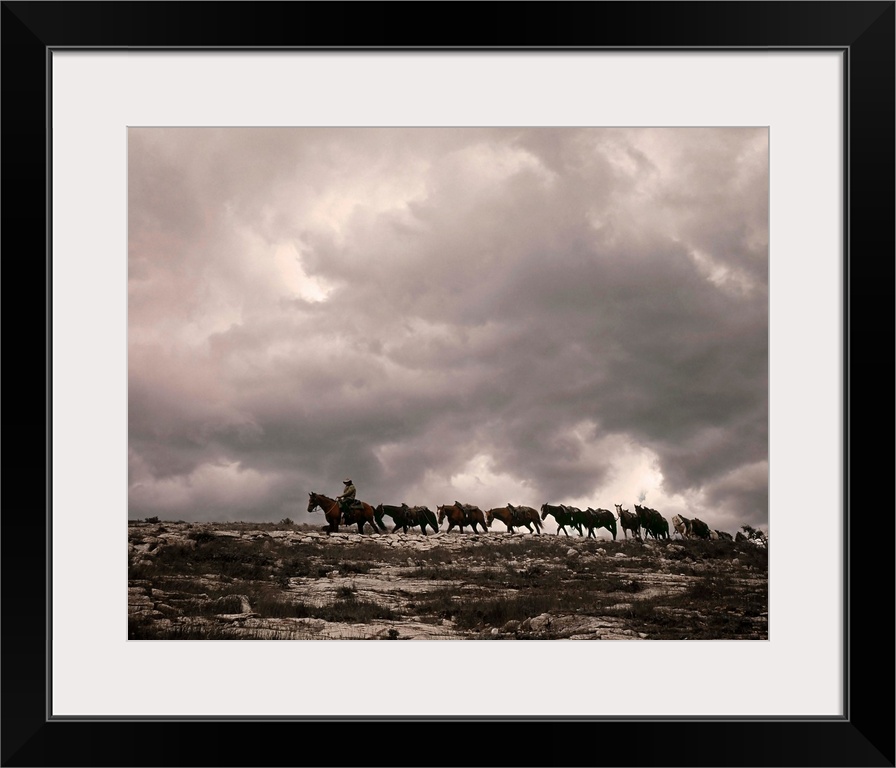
[(406, 517), (399, 515), (581, 520), (652, 522), (601, 518), (359, 515), (425, 516), (563, 515), (628, 521), (460, 515), (514, 517), (699, 529)]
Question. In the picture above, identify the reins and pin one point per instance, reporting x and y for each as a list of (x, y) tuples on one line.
[(334, 503)]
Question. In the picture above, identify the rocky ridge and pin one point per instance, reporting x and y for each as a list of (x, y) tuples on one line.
[(204, 600)]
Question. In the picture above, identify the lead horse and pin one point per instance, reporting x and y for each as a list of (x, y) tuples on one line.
[(359, 515)]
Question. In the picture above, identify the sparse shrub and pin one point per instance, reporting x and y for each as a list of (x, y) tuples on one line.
[(352, 611), (151, 520), (353, 566), (201, 537), (148, 631), (532, 571), (272, 605), (212, 607)]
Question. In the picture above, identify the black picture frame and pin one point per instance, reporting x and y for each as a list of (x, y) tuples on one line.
[(864, 736)]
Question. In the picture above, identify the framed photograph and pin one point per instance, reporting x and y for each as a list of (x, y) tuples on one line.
[(789, 106)]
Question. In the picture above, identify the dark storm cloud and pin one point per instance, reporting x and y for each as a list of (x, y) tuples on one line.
[(495, 314)]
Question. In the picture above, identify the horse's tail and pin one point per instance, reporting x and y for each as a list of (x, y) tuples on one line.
[(430, 518), (378, 517)]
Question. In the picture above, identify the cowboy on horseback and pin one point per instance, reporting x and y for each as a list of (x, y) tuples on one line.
[(347, 498)]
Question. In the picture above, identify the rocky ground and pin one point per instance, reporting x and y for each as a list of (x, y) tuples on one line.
[(288, 582)]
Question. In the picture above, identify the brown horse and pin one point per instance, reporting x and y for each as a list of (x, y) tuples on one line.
[(629, 521), (352, 516), (514, 517), (461, 515)]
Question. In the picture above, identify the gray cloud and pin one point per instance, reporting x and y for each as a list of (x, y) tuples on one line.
[(521, 315)]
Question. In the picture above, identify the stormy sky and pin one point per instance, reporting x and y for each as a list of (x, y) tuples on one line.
[(571, 315)]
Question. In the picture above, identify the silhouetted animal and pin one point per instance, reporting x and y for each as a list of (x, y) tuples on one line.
[(629, 521), (699, 529), (652, 522), (460, 515), (601, 518), (514, 517), (406, 517), (563, 515)]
